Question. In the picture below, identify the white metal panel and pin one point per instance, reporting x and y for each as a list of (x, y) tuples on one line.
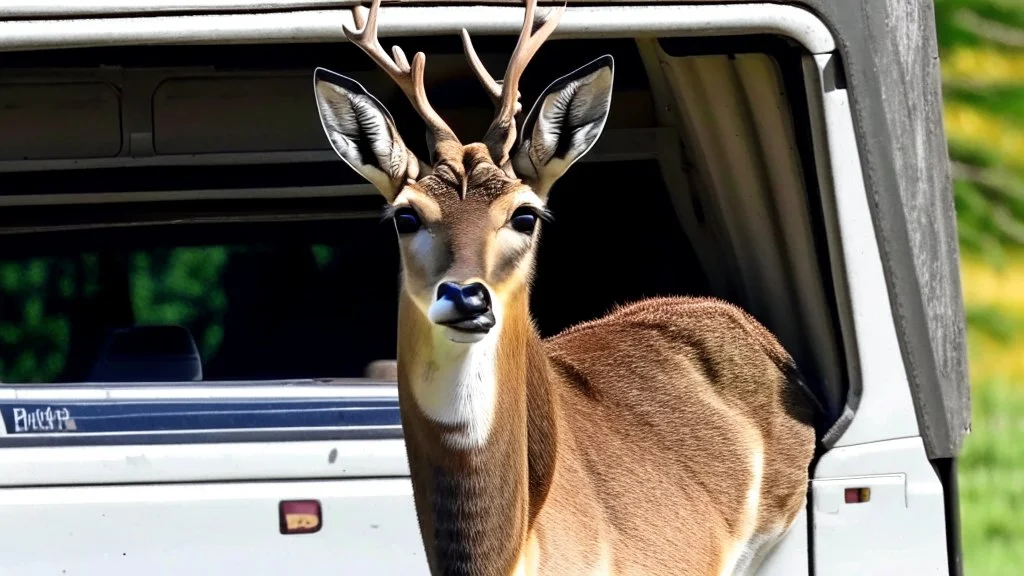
[(34, 458), (49, 8), (353, 388), (325, 25), (249, 461), (884, 407), (369, 527), (900, 530)]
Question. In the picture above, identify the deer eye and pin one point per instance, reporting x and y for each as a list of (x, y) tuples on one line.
[(407, 220), (524, 220)]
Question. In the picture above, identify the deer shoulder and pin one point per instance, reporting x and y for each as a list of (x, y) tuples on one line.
[(705, 420)]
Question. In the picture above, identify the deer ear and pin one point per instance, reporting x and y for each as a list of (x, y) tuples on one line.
[(363, 133), (564, 124)]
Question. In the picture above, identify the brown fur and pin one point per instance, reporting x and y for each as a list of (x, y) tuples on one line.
[(626, 438), (675, 392)]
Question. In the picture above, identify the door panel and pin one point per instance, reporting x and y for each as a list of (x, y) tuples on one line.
[(368, 527)]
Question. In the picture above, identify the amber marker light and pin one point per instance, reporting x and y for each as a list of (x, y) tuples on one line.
[(300, 516), (857, 495)]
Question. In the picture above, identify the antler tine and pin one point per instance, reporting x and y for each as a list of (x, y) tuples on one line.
[(408, 78), (492, 86), (502, 133), (527, 46)]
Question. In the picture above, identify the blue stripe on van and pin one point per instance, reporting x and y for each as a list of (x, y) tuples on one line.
[(55, 417)]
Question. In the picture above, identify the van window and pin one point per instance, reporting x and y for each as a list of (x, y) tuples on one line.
[(261, 301)]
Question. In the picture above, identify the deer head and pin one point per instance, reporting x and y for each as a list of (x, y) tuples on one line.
[(468, 222)]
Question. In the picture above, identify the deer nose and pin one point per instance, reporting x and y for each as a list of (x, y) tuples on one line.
[(464, 307), (469, 299)]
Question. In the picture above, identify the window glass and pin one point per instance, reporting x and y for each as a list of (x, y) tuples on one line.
[(316, 300)]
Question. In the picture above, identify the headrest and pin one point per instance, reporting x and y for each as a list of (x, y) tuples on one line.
[(148, 354), (382, 370)]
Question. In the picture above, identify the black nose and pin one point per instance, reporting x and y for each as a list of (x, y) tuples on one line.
[(472, 305), (469, 300)]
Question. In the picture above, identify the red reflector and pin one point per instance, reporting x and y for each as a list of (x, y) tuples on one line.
[(300, 516), (857, 495)]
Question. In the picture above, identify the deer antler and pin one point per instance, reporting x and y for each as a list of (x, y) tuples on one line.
[(502, 133), (408, 78), (492, 87)]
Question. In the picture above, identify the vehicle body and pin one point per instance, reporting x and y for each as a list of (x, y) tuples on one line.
[(789, 158)]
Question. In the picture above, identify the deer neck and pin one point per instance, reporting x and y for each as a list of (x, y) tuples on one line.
[(480, 436)]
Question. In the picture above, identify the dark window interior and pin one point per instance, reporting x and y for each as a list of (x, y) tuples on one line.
[(307, 298)]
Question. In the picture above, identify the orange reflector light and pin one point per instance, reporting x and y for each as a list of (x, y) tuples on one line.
[(300, 516), (857, 495)]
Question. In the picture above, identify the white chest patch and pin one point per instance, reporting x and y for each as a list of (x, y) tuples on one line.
[(458, 386)]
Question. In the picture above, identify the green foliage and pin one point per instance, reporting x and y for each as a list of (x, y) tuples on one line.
[(987, 106), (32, 337), (40, 299), (1005, 102), (182, 287), (970, 22), (989, 203), (992, 481), (988, 172), (993, 321)]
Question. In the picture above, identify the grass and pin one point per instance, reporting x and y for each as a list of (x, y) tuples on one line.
[(992, 481), (992, 463)]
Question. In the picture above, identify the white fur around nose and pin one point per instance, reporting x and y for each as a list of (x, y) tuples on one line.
[(458, 385), (442, 310)]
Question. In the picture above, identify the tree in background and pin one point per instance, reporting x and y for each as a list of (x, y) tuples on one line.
[(981, 44)]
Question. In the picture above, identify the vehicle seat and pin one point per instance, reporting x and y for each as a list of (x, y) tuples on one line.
[(382, 370), (148, 354)]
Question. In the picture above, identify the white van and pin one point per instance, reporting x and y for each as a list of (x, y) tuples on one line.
[(192, 285)]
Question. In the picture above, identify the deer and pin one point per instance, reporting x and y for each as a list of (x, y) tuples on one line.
[(672, 436)]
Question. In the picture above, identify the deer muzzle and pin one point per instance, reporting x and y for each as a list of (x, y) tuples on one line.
[(463, 308)]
